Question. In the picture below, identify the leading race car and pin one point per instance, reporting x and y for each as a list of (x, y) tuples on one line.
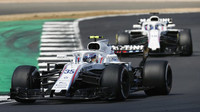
[(158, 35), (93, 73)]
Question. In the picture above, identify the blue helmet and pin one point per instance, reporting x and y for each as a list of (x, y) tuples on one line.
[(89, 57)]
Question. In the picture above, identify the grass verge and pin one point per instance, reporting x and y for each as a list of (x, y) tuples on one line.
[(19, 45)]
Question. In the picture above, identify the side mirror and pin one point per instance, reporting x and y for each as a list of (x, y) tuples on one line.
[(171, 25), (137, 26)]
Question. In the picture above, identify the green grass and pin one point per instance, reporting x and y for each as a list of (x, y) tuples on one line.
[(19, 45)]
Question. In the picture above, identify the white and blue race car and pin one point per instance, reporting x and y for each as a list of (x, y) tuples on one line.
[(158, 35), (93, 73)]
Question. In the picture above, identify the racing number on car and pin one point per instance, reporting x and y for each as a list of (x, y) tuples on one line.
[(68, 71)]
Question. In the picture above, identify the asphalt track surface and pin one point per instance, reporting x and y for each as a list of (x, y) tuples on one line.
[(22, 8), (185, 94)]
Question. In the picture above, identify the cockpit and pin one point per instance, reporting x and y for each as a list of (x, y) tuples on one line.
[(158, 26), (89, 57)]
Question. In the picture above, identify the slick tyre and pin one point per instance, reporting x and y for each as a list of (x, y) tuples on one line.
[(157, 78), (116, 79), (185, 42), (123, 39), (25, 77)]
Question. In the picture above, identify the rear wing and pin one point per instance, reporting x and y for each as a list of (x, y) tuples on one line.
[(126, 49)]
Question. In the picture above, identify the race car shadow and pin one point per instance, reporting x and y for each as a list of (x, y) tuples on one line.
[(150, 55), (137, 96), (195, 53), (157, 55), (132, 98)]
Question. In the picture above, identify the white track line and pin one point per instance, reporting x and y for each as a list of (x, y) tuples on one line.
[(57, 44), (58, 36), (55, 53), (42, 64), (4, 100), (58, 26), (58, 40), (55, 58), (57, 33), (4, 97), (58, 23), (2, 103), (56, 48), (57, 29)]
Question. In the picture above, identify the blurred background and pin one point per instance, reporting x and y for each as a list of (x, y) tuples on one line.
[(21, 27), (21, 23)]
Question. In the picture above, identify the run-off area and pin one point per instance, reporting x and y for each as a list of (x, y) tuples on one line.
[(58, 41), (20, 45)]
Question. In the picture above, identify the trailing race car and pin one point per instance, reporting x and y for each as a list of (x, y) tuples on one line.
[(93, 73), (156, 34)]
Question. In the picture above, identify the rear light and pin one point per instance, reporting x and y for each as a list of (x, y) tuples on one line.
[(124, 51)]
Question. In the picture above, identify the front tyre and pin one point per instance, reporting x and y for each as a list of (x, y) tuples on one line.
[(157, 78), (24, 77), (116, 78)]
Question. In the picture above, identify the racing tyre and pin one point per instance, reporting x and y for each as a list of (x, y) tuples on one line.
[(116, 78), (157, 77), (25, 77), (185, 42), (123, 39)]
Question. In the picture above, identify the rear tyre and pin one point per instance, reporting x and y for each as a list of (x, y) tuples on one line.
[(25, 77), (185, 42), (116, 78), (157, 77), (123, 39)]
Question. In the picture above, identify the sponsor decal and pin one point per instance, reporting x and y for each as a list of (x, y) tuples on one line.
[(68, 71), (75, 74), (128, 47), (114, 59), (66, 78), (101, 60)]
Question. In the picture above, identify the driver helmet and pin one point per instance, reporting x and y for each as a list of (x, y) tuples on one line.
[(148, 27), (159, 27), (90, 58)]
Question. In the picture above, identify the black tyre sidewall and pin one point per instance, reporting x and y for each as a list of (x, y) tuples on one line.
[(22, 77), (185, 41), (112, 78), (25, 77), (156, 74)]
